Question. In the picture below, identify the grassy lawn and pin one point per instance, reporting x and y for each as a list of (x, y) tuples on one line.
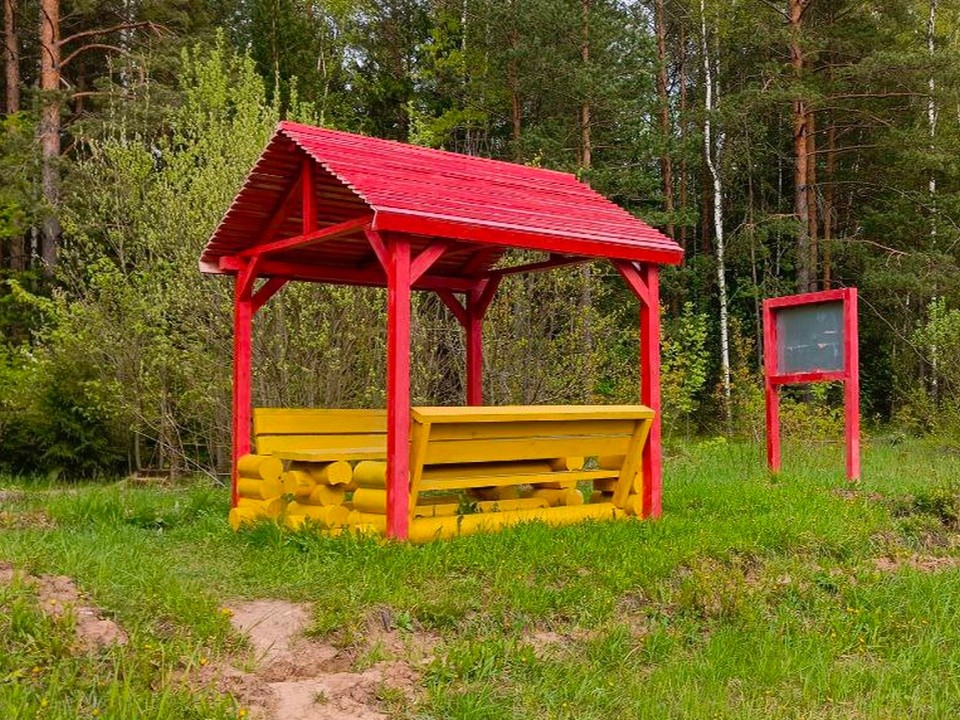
[(795, 597)]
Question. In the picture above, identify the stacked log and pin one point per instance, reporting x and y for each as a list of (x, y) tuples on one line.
[(260, 490), (561, 492), (319, 492)]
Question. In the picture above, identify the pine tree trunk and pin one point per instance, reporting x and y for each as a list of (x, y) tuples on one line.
[(800, 206), (682, 131), (828, 211), (586, 295), (666, 165), (50, 128), (813, 259), (11, 56)]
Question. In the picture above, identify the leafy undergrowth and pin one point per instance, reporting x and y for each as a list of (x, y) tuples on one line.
[(796, 597)]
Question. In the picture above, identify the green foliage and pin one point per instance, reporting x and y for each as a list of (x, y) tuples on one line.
[(684, 368)]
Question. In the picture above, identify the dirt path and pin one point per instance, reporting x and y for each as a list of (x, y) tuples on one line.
[(297, 678)]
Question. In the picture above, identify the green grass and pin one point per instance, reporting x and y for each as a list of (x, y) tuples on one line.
[(752, 598)]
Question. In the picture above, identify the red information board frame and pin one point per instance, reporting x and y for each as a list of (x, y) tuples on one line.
[(849, 375)]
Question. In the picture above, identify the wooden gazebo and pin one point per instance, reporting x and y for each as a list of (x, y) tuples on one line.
[(334, 207)]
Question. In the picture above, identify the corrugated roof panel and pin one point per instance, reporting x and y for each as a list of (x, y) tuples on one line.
[(427, 192)]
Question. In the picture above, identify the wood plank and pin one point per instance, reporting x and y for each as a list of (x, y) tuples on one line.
[(306, 421), (532, 429), (468, 451), (332, 454), (474, 481), (632, 464), (437, 415), (272, 444)]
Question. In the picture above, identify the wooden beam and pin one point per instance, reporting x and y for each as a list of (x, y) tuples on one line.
[(373, 277), (267, 291), (279, 213), (427, 257), (555, 261), (298, 241), (378, 245), (487, 290), (247, 276), (634, 279), (309, 197), (450, 300)]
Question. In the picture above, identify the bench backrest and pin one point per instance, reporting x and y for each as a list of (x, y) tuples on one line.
[(278, 430), (499, 434)]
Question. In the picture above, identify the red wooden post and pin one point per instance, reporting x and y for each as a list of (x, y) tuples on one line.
[(474, 336), (242, 342), (851, 386), (771, 389), (398, 387), (650, 390)]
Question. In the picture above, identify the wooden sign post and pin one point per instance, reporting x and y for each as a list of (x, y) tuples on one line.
[(812, 338)]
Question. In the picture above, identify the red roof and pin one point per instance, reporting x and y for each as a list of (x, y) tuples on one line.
[(484, 206)]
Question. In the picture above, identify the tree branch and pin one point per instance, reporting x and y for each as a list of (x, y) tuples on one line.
[(92, 46), (112, 29)]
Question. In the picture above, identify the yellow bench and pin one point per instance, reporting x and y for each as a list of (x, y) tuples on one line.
[(474, 468)]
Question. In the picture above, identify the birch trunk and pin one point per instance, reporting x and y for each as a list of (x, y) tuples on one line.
[(932, 186), (712, 166)]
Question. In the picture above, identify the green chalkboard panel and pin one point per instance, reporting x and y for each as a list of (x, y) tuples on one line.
[(810, 338)]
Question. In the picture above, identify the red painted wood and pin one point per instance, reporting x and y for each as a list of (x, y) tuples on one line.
[(398, 387), (650, 391), (267, 291), (308, 200), (430, 193), (634, 279), (372, 277), (377, 244), (807, 298), (242, 344), (450, 300), (555, 262), (427, 257), (771, 389), (803, 378), (850, 375), (313, 236), (851, 389), (474, 342)]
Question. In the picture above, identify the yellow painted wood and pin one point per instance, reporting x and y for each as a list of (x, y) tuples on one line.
[(419, 439), (558, 484), (269, 508), (276, 444), (570, 463), (503, 492), (367, 520), (317, 421), (632, 464), (633, 505), (479, 414), (598, 497), (472, 451), (460, 470), (260, 467), (240, 516), (501, 480), (471, 430), (326, 495), (567, 497), (259, 489), (610, 485), (426, 529), (370, 500), (297, 522), (610, 462), (298, 483), (370, 474), (332, 454), (331, 515), (333, 473)]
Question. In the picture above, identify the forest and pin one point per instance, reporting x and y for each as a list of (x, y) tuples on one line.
[(787, 145)]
